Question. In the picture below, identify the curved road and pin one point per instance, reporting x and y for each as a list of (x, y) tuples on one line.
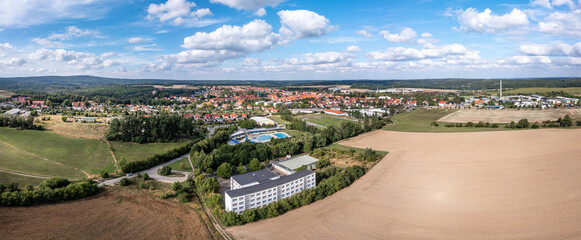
[(152, 172)]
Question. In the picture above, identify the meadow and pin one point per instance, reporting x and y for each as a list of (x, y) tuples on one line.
[(420, 120), (50, 154)]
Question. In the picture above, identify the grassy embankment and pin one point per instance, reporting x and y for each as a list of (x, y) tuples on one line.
[(53, 155), (420, 121)]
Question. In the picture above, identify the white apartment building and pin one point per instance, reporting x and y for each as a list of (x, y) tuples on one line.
[(262, 194), (252, 178)]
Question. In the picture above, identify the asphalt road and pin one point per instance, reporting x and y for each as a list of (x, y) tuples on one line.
[(152, 172)]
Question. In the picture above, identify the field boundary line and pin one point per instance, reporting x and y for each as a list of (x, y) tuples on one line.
[(23, 174), (46, 159), (113, 154), (213, 220)]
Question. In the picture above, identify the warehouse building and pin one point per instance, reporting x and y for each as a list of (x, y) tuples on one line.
[(264, 193)]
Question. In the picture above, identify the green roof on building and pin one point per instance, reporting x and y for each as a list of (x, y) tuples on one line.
[(298, 162)]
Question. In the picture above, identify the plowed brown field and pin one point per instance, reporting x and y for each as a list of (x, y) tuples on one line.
[(484, 185), (112, 214)]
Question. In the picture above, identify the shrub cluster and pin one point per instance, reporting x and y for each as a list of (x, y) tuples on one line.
[(49, 191), (480, 124)]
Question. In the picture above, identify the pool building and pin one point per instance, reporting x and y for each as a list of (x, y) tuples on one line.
[(291, 165), (266, 190)]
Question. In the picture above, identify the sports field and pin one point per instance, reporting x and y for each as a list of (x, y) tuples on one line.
[(506, 116), (326, 119), (483, 185), (49, 154)]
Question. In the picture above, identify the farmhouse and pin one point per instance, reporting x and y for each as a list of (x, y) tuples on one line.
[(262, 194), (291, 165), (263, 121)]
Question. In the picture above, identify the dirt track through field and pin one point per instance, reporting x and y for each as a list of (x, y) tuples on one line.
[(113, 214), (43, 158), (485, 185)]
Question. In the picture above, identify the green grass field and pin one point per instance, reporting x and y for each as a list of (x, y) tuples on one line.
[(277, 119), (30, 147), (7, 178), (327, 120), (185, 161), (132, 152), (419, 120), (338, 146)]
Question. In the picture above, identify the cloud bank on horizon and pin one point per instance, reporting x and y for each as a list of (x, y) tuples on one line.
[(283, 39)]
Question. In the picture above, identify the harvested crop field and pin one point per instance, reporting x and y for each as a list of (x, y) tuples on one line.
[(113, 214), (506, 116), (485, 185)]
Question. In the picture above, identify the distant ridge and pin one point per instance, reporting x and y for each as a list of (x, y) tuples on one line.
[(64, 83)]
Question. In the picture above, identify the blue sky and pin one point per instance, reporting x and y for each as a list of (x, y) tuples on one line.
[(287, 40)]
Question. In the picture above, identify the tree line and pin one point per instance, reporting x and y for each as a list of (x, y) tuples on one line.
[(19, 122), (157, 128), (49, 191)]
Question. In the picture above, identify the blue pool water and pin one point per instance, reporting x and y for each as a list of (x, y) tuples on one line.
[(262, 138), (281, 135)]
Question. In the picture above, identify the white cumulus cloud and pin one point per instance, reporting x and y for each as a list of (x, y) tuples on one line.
[(179, 13), (227, 42), (562, 23), (24, 13), (260, 12), (248, 4), (473, 21), (136, 40), (552, 49), (427, 52), (407, 35), (353, 48), (303, 24), (363, 32)]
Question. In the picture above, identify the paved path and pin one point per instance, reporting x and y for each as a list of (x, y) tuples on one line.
[(23, 174), (152, 172)]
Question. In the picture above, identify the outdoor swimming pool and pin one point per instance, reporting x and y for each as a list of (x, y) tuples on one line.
[(281, 135), (261, 138)]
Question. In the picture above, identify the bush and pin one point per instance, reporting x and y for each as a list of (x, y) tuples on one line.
[(494, 125), (225, 170), (76, 190), (54, 183), (434, 124), (166, 195), (176, 186), (142, 185), (124, 182), (104, 174), (184, 197), (145, 176), (165, 171)]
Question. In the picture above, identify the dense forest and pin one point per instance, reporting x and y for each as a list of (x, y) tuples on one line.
[(146, 129), (82, 83)]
